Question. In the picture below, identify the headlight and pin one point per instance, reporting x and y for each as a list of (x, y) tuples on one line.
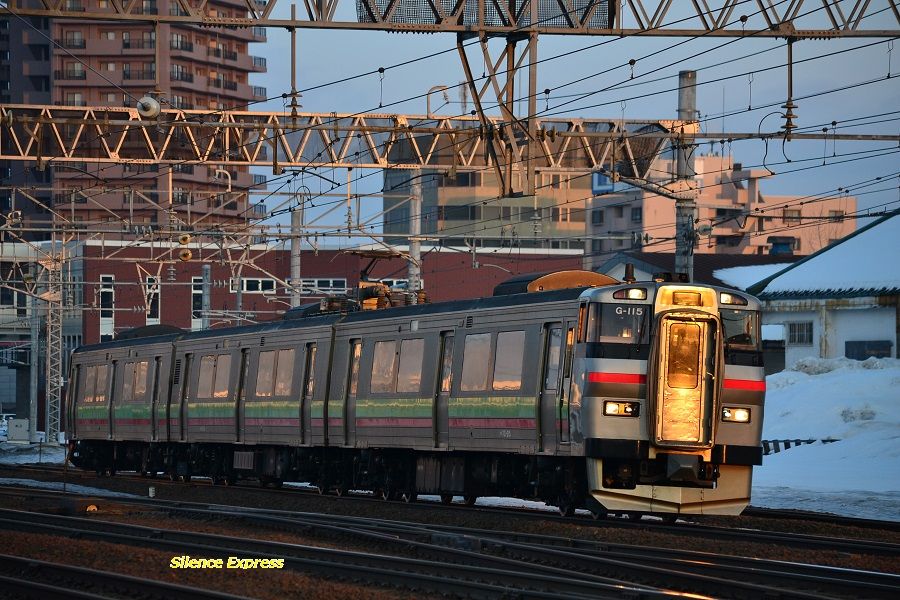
[(726, 298), (736, 415), (621, 409), (631, 294)]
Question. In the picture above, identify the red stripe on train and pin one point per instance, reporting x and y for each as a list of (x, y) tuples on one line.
[(487, 423), (393, 422), (595, 377), (273, 422), (752, 385)]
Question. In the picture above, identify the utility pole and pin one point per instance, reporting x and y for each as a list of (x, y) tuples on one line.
[(296, 228), (205, 299), (34, 321), (415, 232), (685, 210)]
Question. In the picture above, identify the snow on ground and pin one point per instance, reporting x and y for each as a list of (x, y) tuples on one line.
[(855, 402), (70, 488)]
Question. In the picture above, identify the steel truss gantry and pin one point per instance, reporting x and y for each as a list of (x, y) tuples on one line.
[(800, 19)]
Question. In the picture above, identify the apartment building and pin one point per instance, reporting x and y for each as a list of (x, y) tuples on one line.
[(734, 216), (115, 63)]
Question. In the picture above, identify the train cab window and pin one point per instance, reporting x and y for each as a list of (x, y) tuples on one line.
[(476, 362), (384, 366), (619, 323), (508, 360), (684, 356), (740, 328), (409, 373)]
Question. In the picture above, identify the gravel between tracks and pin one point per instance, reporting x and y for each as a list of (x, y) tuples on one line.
[(266, 584)]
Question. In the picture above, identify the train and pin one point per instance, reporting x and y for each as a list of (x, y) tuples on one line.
[(570, 388)]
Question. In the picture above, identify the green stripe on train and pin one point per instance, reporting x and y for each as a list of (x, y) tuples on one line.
[(394, 407), (492, 407)]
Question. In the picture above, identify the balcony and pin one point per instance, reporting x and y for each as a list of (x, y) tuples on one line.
[(142, 75), (139, 44), (182, 76), (72, 44), (70, 74), (222, 53), (224, 83), (184, 45)]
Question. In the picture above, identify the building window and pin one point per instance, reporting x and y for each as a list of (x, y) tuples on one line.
[(637, 214), (790, 215), (800, 333), (619, 211), (596, 246), (323, 286), (836, 215), (152, 300), (108, 66), (107, 35), (107, 296), (597, 217), (255, 285), (196, 301)]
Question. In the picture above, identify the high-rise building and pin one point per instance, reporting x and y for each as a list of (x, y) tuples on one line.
[(115, 63)]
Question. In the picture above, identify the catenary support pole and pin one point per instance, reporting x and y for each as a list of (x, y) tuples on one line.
[(685, 210)]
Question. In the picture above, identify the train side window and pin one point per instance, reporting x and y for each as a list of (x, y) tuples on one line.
[(205, 380), (264, 372), (570, 344), (476, 362), (310, 383), (508, 360), (554, 344), (223, 371), (128, 383), (355, 352), (447, 366), (139, 390), (284, 372), (90, 384), (100, 389), (409, 374), (384, 367)]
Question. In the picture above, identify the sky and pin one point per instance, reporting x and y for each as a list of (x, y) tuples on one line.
[(854, 402), (577, 65)]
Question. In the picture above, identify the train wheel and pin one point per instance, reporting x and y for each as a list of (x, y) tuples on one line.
[(385, 494), (340, 491), (470, 500), (564, 505), (409, 497), (599, 513), (446, 498)]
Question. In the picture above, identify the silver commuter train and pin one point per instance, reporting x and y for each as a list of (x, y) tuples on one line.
[(572, 388)]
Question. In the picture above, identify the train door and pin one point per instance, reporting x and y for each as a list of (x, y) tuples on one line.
[(441, 418), (565, 387), (183, 397), (306, 393), (154, 393), (550, 391), (109, 387), (686, 385), (351, 392), (241, 397), (71, 398)]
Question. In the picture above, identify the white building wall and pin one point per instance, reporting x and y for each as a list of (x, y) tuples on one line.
[(833, 324), (863, 325)]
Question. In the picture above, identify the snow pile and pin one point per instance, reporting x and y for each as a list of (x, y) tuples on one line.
[(855, 402), (21, 454)]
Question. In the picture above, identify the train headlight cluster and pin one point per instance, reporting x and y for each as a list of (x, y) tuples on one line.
[(733, 299), (621, 409), (736, 415), (631, 294)]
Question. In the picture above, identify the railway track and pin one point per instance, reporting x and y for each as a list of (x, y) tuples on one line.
[(601, 562), (42, 580), (692, 521)]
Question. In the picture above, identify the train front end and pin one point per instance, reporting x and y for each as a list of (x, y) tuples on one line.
[(671, 404)]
